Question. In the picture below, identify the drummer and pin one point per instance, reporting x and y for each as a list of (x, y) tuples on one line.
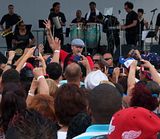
[(93, 16), (79, 18)]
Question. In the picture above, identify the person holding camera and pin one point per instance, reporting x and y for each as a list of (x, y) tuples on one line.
[(66, 58)]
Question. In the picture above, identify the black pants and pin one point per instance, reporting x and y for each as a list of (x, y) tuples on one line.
[(9, 38), (131, 38)]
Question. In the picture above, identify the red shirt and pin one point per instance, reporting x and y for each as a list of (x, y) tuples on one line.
[(63, 55)]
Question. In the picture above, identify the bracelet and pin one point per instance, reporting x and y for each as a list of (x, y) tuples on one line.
[(30, 94), (56, 51), (39, 77)]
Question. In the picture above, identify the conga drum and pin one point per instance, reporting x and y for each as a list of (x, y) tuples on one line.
[(92, 35), (77, 31)]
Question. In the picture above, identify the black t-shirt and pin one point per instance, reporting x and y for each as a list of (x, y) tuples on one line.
[(61, 16), (158, 20), (131, 16), (25, 38), (92, 17), (9, 20), (81, 21)]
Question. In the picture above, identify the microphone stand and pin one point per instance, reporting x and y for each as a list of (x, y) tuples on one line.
[(151, 26)]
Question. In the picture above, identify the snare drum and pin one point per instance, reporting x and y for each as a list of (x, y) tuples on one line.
[(77, 31), (92, 35)]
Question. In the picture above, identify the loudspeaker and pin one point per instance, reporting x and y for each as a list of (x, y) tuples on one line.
[(155, 49), (67, 32), (124, 51)]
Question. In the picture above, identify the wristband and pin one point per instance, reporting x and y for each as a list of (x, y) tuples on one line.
[(39, 77), (56, 51)]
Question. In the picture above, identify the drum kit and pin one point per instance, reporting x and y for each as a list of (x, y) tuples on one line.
[(90, 33)]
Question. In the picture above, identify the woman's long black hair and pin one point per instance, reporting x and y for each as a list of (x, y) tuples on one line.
[(13, 102)]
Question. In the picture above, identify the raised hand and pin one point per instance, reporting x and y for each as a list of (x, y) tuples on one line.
[(41, 48), (134, 64), (30, 52), (56, 44), (116, 71), (47, 24), (146, 64), (38, 72), (11, 54)]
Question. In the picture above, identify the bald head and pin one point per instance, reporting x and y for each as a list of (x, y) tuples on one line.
[(73, 72)]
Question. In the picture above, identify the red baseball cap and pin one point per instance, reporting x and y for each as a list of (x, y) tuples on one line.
[(134, 123)]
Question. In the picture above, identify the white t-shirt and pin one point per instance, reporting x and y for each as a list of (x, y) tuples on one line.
[(62, 134)]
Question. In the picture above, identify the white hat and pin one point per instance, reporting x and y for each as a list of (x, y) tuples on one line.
[(94, 78), (77, 42)]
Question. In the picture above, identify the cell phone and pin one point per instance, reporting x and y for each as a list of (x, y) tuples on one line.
[(77, 58), (36, 52), (110, 70)]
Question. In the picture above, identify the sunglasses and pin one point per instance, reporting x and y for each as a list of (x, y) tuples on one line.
[(107, 59), (95, 60), (78, 46)]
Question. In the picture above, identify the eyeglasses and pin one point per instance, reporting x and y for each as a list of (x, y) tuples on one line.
[(95, 60), (107, 58)]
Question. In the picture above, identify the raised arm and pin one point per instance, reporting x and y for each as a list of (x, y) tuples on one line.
[(24, 59), (85, 63), (31, 92), (56, 50), (10, 60), (43, 63), (132, 77), (42, 83), (50, 37), (153, 71)]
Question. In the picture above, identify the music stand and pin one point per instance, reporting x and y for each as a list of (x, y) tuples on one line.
[(151, 34), (148, 34), (41, 25), (151, 24)]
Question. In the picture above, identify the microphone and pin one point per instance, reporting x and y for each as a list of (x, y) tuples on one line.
[(154, 10), (119, 11)]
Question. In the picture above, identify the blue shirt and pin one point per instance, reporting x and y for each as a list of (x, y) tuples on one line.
[(94, 130)]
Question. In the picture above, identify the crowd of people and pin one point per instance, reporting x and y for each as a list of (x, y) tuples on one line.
[(70, 95)]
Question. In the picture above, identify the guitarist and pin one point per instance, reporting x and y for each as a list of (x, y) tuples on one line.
[(9, 19)]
